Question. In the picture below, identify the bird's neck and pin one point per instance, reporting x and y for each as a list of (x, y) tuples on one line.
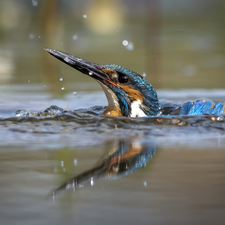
[(119, 105), (113, 108)]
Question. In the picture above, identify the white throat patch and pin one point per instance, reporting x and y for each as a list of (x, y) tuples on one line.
[(111, 97), (136, 110)]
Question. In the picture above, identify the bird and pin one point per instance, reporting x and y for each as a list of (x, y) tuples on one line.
[(129, 94)]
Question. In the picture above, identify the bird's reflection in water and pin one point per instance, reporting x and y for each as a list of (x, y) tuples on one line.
[(124, 157)]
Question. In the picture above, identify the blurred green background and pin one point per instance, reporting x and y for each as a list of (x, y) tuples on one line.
[(177, 43)]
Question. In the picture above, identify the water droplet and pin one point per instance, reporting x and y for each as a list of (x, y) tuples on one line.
[(128, 45), (219, 118), (85, 16), (31, 36), (145, 183), (22, 112), (34, 3), (62, 88), (90, 73), (125, 42), (75, 162), (53, 109), (75, 37), (92, 181), (62, 163), (143, 74), (74, 93), (61, 79)]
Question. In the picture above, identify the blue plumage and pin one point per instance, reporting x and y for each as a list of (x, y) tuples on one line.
[(199, 107)]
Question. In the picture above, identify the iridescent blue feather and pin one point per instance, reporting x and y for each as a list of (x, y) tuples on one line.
[(199, 108)]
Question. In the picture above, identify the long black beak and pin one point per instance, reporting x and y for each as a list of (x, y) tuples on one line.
[(89, 68)]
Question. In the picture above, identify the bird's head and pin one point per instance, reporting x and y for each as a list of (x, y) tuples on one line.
[(128, 93)]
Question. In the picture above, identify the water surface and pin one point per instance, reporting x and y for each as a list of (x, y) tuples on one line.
[(182, 181)]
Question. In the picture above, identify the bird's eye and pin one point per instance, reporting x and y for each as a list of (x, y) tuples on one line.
[(122, 78), (123, 167)]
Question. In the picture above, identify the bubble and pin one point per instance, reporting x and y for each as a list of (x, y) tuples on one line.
[(31, 36), (75, 162), (74, 93), (28, 81), (44, 86), (145, 183), (85, 16), (90, 73), (143, 74), (39, 36), (61, 79), (62, 88), (34, 3), (62, 163), (75, 37)]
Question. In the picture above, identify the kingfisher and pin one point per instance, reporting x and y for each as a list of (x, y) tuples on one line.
[(129, 94)]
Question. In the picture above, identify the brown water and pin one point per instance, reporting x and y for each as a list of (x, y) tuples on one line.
[(178, 184), (180, 47), (183, 181)]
